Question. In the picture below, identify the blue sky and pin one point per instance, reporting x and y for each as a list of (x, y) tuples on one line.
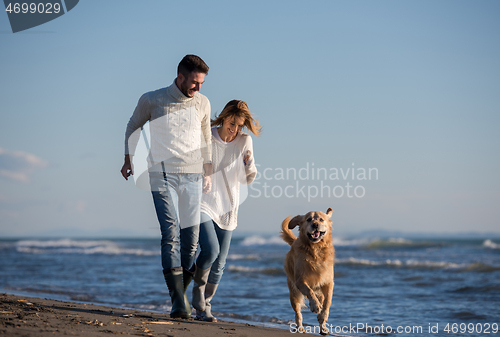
[(409, 88)]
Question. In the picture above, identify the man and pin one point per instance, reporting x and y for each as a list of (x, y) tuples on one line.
[(180, 151)]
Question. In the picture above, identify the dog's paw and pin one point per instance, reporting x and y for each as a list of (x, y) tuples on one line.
[(315, 306), (301, 329)]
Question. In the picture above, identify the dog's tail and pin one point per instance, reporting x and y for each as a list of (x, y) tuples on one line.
[(286, 233)]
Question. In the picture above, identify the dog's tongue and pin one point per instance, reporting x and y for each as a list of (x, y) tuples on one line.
[(315, 235)]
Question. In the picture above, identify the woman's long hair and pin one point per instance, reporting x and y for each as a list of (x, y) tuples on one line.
[(237, 108)]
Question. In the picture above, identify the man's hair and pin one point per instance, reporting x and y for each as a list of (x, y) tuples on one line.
[(192, 63)]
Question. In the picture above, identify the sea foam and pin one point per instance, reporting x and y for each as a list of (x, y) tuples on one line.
[(69, 246), (491, 244)]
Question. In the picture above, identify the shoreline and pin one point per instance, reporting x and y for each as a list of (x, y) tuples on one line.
[(231, 317), (33, 317)]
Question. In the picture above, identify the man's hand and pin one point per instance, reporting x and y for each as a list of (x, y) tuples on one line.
[(207, 184), (207, 177), (127, 168)]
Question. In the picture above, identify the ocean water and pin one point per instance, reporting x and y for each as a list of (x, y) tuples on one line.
[(415, 287)]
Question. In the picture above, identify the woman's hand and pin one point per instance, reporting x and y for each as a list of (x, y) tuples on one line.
[(247, 157)]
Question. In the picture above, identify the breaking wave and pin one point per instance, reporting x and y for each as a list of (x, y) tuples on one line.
[(477, 267), (374, 243), (267, 271), (69, 246), (261, 241), (400, 243), (491, 244)]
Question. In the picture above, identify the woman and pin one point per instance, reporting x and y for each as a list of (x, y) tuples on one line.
[(233, 164)]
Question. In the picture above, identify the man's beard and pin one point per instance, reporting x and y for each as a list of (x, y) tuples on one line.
[(185, 90)]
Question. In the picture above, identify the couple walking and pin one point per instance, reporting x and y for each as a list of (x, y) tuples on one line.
[(195, 167)]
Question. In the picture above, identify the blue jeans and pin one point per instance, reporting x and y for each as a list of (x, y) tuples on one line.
[(177, 200), (214, 244)]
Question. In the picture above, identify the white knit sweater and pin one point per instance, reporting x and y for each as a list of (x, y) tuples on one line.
[(179, 127), (223, 201)]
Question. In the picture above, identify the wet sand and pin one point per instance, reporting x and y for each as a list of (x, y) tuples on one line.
[(35, 317)]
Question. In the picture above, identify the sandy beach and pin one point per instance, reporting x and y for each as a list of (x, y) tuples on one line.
[(25, 316)]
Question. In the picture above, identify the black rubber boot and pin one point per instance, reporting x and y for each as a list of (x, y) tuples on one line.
[(187, 276), (200, 281), (175, 284)]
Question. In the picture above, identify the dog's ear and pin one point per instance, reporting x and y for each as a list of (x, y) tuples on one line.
[(295, 221), (329, 212)]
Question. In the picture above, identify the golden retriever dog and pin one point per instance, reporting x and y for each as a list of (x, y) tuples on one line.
[(309, 264)]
